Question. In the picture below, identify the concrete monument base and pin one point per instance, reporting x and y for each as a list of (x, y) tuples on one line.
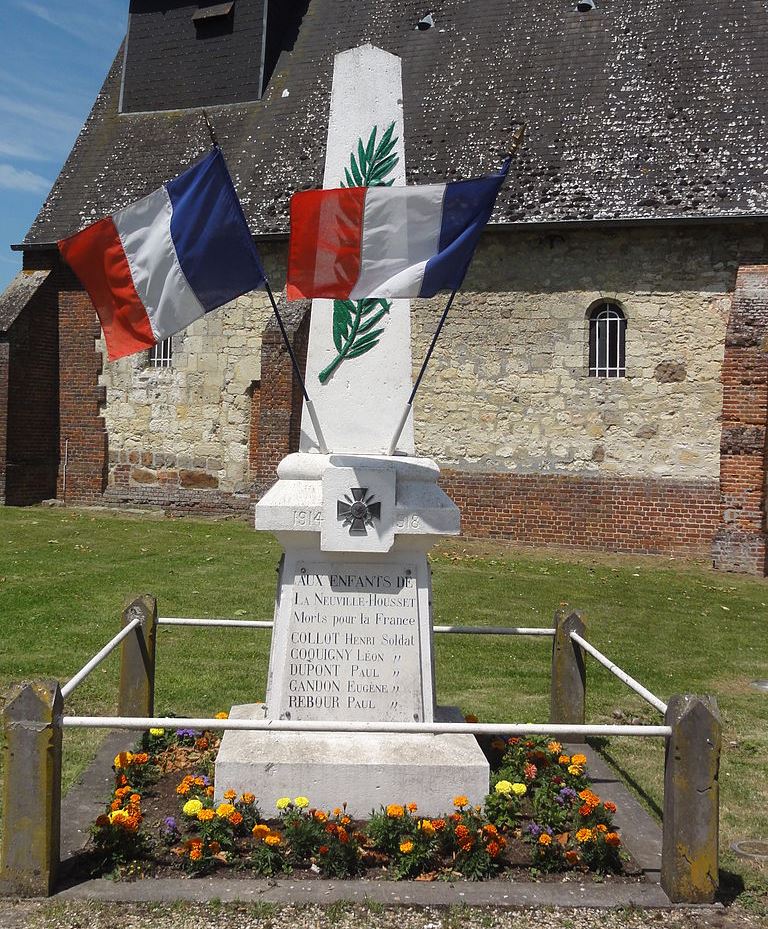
[(364, 770)]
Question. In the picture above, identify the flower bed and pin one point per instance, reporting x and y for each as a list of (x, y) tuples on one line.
[(540, 817)]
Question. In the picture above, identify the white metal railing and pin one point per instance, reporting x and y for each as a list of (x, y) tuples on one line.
[(83, 673), (286, 725), (268, 624), (620, 674)]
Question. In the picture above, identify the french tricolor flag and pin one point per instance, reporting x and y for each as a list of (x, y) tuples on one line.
[(358, 242), (157, 265)]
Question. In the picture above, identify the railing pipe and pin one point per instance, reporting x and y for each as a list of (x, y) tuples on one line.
[(268, 624), (83, 673), (621, 675), (245, 623), (284, 725)]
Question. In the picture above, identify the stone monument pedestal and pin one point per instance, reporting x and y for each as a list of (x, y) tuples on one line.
[(352, 641), (363, 770)]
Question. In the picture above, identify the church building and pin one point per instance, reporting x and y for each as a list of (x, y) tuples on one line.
[(602, 380)]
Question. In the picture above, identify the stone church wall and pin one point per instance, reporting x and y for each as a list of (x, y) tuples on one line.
[(507, 402)]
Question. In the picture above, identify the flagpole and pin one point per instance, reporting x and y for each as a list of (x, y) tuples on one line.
[(297, 371), (409, 404)]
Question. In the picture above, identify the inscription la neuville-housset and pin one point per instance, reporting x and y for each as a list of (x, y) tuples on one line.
[(353, 644)]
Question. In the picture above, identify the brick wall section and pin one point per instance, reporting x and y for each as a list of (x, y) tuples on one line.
[(80, 396), (253, 430), (280, 402), (741, 543), (620, 514), (32, 402), (4, 357)]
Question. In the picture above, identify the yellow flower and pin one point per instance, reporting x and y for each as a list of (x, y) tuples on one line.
[(301, 802), (585, 835), (261, 830), (272, 839), (395, 811), (223, 810), (406, 847), (205, 815), (123, 759), (192, 807), (579, 759), (504, 788), (575, 769), (425, 825), (119, 816), (545, 839), (221, 716), (157, 732), (460, 801), (230, 794), (283, 803), (519, 789)]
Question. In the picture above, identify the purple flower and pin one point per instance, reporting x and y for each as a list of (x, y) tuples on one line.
[(169, 826), (534, 829), (186, 734), (568, 793)]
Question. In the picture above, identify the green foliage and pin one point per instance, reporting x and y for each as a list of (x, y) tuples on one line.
[(370, 164)]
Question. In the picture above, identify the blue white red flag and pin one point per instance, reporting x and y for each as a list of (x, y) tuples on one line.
[(157, 265), (358, 242)]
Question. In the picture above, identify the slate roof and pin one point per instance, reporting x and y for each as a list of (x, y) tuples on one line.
[(642, 109), (18, 294)]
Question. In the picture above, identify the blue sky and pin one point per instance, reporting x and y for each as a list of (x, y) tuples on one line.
[(54, 56)]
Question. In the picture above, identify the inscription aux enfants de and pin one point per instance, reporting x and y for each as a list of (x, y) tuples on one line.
[(353, 642)]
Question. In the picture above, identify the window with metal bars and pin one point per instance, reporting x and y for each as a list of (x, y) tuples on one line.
[(607, 341), (161, 354)]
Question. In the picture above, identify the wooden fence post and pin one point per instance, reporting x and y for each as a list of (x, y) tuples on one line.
[(569, 675), (137, 659), (31, 841), (689, 860)]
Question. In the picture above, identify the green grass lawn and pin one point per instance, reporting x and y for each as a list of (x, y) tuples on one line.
[(65, 575)]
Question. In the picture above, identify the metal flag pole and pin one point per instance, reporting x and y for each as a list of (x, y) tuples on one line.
[(409, 404), (297, 371)]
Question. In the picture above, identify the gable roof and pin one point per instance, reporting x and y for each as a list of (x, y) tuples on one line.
[(640, 110), (18, 294)]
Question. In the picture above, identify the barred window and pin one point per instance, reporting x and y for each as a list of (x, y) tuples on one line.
[(607, 341), (160, 355)]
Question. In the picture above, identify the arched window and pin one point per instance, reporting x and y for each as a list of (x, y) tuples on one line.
[(161, 354), (607, 341)]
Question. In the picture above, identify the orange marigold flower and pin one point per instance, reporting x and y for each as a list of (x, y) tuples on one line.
[(585, 835), (337, 811), (439, 824), (466, 844), (323, 850), (234, 819), (412, 807), (135, 798), (205, 815), (554, 748), (579, 759), (115, 805), (209, 791), (331, 828), (460, 801), (545, 839), (611, 807), (589, 795), (455, 817), (194, 843), (140, 758), (183, 789), (462, 832), (272, 839), (221, 716), (320, 816), (395, 811), (601, 827), (572, 856), (490, 829), (230, 794), (613, 838), (202, 744), (198, 781), (122, 791), (493, 848), (406, 847), (195, 853), (248, 799), (564, 759), (260, 830), (343, 835), (585, 809)]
